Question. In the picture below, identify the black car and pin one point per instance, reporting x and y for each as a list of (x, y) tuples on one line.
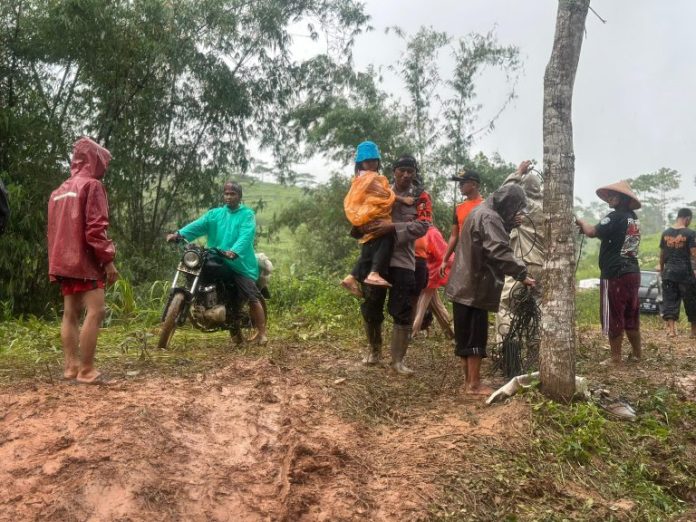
[(650, 292)]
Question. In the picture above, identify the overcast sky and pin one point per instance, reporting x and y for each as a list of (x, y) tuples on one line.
[(634, 107)]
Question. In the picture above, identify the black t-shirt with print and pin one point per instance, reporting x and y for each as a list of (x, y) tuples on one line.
[(676, 245), (620, 235)]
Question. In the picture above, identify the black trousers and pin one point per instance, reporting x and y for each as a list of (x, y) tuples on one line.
[(673, 293), (374, 257), (470, 330), (217, 270), (400, 301)]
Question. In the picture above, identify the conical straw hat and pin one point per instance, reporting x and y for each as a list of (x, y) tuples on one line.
[(622, 187)]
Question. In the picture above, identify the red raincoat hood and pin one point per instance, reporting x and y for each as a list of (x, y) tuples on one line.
[(89, 159)]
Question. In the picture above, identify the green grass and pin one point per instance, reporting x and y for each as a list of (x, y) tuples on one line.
[(275, 198), (576, 463), (315, 329)]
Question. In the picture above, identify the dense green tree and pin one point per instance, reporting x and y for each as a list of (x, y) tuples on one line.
[(356, 110), (657, 193), (419, 69), (176, 90), (318, 220)]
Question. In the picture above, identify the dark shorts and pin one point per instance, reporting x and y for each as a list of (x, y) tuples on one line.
[(673, 293), (619, 306), (470, 330), (218, 270), (70, 286), (247, 287)]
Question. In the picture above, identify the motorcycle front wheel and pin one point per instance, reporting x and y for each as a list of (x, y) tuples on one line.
[(169, 324)]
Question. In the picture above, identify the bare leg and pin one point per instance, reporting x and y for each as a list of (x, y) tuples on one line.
[(442, 316), (421, 307), (634, 339), (671, 330), (70, 334), (258, 319), (464, 372), (94, 303), (615, 346), (693, 330), (473, 373)]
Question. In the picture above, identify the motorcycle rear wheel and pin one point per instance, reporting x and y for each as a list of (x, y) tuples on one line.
[(169, 324), (245, 330)]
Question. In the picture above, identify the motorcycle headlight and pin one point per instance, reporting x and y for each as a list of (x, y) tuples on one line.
[(191, 259)]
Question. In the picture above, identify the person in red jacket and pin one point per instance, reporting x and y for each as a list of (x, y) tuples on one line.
[(81, 256)]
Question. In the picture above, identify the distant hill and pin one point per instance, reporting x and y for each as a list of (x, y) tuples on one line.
[(274, 196), (270, 199)]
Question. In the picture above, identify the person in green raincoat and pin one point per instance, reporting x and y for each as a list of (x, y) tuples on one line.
[(231, 228)]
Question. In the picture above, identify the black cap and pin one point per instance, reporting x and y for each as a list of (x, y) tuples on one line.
[(467, 175), (406, 161)]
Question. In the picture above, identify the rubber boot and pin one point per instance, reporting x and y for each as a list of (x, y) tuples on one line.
[(399, 345), (374, 339)]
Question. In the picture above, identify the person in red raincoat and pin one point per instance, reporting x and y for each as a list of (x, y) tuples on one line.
[(81, 256)]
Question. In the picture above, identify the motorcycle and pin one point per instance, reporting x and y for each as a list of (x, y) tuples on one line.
[(209, 303)]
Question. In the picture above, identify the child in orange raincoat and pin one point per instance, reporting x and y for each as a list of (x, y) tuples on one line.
[(370, 199)]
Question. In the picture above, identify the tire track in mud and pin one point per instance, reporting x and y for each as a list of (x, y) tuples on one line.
[(247, 442)]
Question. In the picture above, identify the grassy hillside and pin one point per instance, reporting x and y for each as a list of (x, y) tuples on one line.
[(270, 199), (275, 197)]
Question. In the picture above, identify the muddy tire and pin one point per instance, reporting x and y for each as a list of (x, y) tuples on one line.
[(169, 324), (245, 330)]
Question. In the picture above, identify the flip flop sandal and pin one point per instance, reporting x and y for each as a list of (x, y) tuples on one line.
[(101, 380)]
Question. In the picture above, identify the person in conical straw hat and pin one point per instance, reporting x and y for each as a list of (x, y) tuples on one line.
[(619, 232)]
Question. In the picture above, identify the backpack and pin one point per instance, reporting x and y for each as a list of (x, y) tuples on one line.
[(4, 208)]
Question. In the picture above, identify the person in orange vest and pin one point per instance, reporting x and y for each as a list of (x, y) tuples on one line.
[(469, 186)]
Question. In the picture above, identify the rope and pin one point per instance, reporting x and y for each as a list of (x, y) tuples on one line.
[(582, 242), (519, 350)]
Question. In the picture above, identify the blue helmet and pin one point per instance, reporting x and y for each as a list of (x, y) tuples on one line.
[(367, 150)]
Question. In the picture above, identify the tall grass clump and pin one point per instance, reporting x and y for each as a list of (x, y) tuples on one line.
[(143, 304), (312, 300)]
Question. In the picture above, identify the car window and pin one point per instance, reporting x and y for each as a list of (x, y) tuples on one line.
[(646, 278)]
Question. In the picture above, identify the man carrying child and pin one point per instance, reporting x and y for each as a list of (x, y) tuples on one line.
[(404, 229), (370, 199)]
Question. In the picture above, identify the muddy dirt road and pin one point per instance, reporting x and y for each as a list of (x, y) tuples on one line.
[(250, 441), (300, 431)]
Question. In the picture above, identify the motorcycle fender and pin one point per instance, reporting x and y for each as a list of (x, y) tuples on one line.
[(187, 302)]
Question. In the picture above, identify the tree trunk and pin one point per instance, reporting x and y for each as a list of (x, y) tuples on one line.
[(557, 354)]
